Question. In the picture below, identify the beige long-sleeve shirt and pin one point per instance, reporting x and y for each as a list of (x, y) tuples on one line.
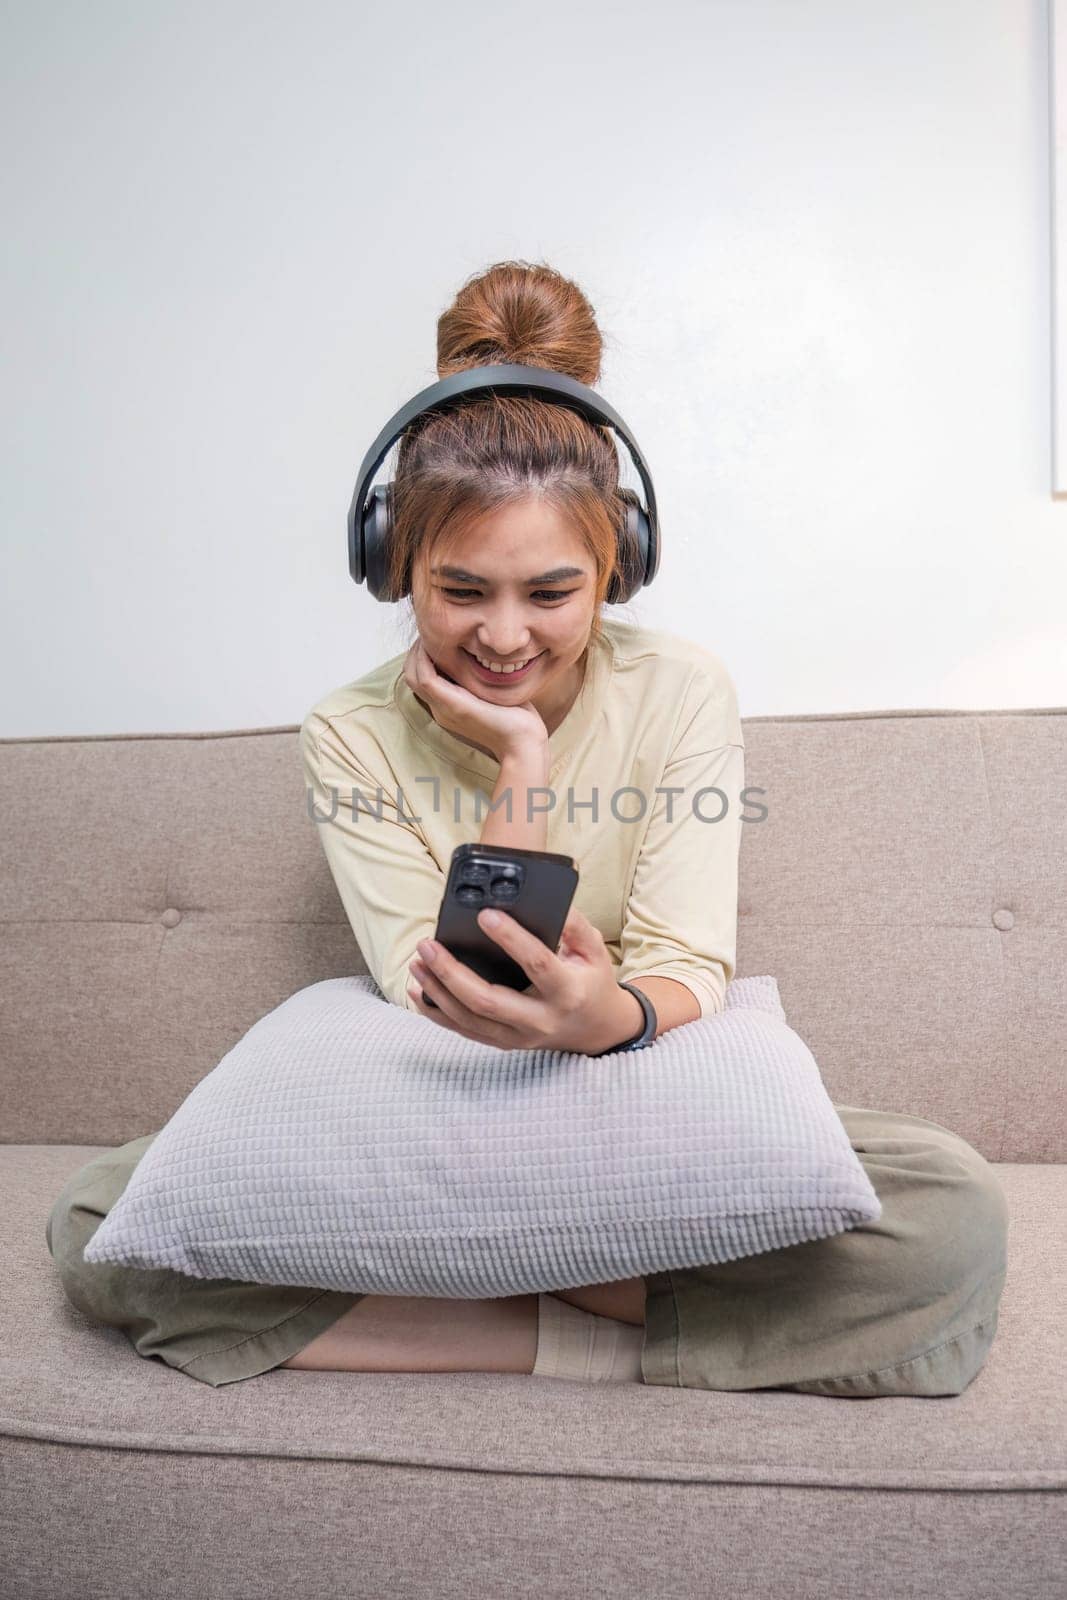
[(658, 870)]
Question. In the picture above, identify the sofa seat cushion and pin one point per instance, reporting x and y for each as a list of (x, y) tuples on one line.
[(66, 1379)]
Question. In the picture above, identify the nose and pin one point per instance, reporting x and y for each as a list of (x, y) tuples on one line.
[(504, 636)]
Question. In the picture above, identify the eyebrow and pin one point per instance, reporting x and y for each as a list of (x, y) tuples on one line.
[(555, 576)]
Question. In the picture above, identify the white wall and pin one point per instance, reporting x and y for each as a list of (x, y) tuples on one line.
[(816, 235)]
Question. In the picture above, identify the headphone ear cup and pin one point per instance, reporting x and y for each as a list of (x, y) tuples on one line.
[(632, 551), (377, 527)]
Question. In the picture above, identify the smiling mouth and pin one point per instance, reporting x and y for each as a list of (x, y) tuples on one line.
[(488, 676)]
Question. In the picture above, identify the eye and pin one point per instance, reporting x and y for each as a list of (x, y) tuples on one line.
[(549, 594)]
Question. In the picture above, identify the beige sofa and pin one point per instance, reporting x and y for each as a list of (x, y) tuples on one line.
[(908, 888)]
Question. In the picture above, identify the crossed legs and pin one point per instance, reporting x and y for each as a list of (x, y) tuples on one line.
[(403, 1333)]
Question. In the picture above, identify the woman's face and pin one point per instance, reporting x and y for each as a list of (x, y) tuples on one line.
[(500, 594)]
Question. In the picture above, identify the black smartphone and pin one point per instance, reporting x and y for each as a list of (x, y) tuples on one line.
[(535, 887)]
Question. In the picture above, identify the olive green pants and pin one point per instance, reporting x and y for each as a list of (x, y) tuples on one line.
[(906, 1305)]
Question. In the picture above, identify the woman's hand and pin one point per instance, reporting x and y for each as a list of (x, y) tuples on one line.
[(574, 1001), (500, 728)]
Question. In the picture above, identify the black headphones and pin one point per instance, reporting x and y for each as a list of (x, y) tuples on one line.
[(370, 521)]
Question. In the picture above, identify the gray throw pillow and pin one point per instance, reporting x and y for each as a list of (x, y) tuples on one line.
[(347, 1143)]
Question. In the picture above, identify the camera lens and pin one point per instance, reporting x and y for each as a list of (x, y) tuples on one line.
[(470, 894), (504, 889)]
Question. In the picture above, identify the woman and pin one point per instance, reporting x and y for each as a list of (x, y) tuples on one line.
[(605, 746)]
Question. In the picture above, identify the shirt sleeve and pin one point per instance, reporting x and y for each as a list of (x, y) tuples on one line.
[(389, 883), (681, 915)]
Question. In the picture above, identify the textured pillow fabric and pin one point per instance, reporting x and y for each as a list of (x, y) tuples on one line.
[(346, 1143)]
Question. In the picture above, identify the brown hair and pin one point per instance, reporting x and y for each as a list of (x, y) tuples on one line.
[(453, 467)]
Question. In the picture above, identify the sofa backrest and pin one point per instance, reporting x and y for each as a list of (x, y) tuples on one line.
[(903, 876)]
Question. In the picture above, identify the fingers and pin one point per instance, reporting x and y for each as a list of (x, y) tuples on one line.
[(487, 1005), (540, 964), (438, 1016), (422, 672), (414, 667), (492, 1004), (421, 679), (452, 1014)]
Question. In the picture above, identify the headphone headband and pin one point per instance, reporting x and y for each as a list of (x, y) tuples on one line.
[(501, 378)]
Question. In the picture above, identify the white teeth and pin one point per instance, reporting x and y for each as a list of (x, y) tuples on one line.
[(504, 671)]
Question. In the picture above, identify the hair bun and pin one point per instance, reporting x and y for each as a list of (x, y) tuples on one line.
[(517, 312), (457, 463)]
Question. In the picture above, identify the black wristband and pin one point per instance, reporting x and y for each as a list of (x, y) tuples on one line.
[(647, 1034)]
